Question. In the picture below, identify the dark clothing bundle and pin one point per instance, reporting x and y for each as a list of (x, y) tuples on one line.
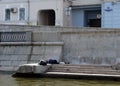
[(50, 61)]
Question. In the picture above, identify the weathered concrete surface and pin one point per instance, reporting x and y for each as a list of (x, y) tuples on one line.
[(68, 71), (15, 54), (87, 69), (71, 76), (92, 46), (81, 45), (33, 68)]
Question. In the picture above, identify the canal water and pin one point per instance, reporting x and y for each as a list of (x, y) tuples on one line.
[(7, 80)]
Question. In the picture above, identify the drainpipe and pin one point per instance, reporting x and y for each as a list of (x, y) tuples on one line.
[(28, 18)]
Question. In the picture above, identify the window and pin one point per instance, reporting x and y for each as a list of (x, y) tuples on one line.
[(7, 14), (22, 14)]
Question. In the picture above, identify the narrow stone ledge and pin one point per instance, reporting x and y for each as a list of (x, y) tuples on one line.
[(15, 43), (85, 31), (31, 43), (49, 43)]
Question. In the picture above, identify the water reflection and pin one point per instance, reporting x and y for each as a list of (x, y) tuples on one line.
[(7, 80)]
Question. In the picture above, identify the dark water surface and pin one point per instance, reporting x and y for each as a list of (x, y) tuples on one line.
[(7, 80)]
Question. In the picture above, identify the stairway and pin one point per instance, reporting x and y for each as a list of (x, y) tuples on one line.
[(88, 69)]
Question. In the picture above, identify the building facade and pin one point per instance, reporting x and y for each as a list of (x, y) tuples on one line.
[(111, 15), (86, 14), (76, 13), (33, 12), (96, 13)]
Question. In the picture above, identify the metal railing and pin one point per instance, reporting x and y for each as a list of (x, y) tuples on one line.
[(15, 36)]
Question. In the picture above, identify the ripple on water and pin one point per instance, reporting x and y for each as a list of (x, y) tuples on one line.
[(7, 80)]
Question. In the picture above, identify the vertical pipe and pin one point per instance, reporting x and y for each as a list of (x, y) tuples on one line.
[(28, 18)]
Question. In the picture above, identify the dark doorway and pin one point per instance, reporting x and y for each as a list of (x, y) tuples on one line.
[(46, 17), (92, 18), (94, 23)]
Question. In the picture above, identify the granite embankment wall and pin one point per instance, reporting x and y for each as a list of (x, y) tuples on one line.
[(72, 45), (93, 46)]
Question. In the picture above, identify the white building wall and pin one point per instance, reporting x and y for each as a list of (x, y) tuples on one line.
[(32, 14), (6, 4), (37, 5), (111, 15), (61, 19)]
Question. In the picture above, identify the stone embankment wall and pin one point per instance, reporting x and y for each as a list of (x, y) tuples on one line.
[(27, 44), (72, 45), (15, 54), (93, 46)]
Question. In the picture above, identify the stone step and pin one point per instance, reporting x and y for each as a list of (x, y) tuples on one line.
[(67, 69), (63, 65), (89, 72), (84, 69), (72, 69), (81, 67), (84, 66)]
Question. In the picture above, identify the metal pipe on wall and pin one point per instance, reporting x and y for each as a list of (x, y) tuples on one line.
[(28, 18)]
